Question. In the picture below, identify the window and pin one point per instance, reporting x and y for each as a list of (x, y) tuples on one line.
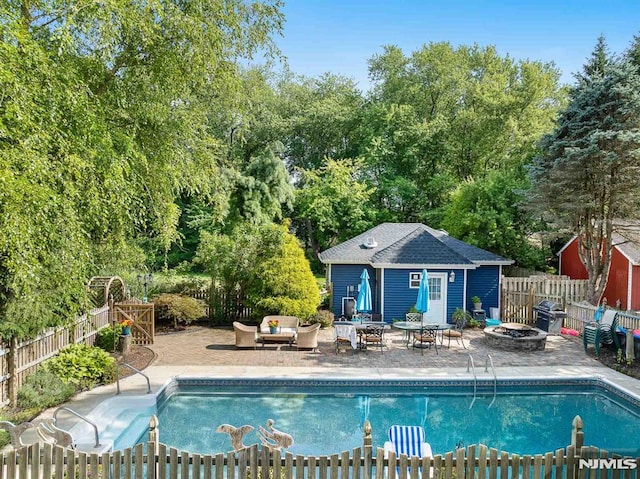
[(414, 280), (435, 289)]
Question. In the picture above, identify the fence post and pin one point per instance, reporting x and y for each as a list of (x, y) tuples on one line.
[(577, 434), (368, 451), (12, 367), (530, 305)]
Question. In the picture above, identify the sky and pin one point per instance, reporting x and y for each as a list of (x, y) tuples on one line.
[(340, 36)]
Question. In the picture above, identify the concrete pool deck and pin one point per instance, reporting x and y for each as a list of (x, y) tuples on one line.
[(210, 353)]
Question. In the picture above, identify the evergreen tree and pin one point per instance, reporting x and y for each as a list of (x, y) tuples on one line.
[(588, 177)]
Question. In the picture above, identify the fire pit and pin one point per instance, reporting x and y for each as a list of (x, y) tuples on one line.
[(516, 337)]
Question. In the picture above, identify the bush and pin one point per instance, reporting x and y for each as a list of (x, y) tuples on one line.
[(107, 338), (43, 389), (324, 317), (180, 308), (83, 366)]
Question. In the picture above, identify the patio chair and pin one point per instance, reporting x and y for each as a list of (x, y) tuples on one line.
[(246, 336), (307, 337), (601, 332), (345, 336), (455, 332), (425, 338), (373, 335), (407, 440)]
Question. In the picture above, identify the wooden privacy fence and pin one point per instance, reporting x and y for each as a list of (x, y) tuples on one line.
[(20, 358), (225, 308), (520, 295)]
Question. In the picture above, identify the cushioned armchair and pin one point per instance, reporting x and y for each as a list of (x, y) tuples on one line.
[(307, 337), (246, 336)]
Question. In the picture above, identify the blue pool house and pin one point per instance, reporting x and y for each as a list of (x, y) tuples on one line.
[(395, 255)]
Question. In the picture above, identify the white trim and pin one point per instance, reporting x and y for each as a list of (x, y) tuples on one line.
[(328, 279), (464, 291), (419, 279), (628, 258), (566, 245), (444, 293), (382, 293), (505, 262), (499, 290), (629, 282)]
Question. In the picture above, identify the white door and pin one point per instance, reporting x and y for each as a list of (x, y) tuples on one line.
[(437, 299)]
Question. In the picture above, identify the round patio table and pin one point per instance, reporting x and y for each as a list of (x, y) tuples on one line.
[(414, 326)]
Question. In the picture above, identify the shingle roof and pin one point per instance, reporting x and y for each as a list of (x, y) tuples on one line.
[(408, 243)]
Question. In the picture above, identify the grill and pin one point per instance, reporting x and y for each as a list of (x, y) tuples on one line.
[(549, 316)]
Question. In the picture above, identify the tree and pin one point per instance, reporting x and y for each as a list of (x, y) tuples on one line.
[(104, 122), (285, 283), (263, 263), (442, 115), (490, 214), (331, 204), (587, 178)]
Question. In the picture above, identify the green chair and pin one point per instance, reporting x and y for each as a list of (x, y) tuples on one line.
[(602, 332)]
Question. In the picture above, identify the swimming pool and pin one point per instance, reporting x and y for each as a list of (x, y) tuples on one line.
[(326, 416)]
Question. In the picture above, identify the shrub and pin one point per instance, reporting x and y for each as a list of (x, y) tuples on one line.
[(107, 338), (83, 366), (322, 316), (183, 309), (43, 389)]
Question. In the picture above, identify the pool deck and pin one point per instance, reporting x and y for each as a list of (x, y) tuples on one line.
[(209, 353)]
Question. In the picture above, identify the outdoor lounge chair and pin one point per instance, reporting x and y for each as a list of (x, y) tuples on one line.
[(246, 336), (602, 332), (307, 337), (407, 440)]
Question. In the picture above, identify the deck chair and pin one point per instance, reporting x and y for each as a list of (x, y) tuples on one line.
[(455, 332), (407, 440), (602, 332)]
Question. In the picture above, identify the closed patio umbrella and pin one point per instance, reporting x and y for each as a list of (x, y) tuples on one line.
[(363, 303), (422, 303)]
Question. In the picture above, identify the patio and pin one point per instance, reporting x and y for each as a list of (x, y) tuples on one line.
[(215, 347)]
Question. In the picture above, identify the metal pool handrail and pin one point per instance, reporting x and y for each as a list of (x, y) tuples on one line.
[(489, 361), (137, 371), (84, 418), (475, 379)]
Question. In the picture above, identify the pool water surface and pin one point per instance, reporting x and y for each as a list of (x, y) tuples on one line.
[(327, 417)]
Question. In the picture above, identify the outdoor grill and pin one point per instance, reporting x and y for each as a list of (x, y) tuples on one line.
[(549, 316)]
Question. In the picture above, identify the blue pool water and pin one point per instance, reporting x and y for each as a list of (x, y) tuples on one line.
[(326, 417)]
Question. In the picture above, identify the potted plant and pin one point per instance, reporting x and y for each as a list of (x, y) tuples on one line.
[(126, 326), (273, 326), (477, 302)]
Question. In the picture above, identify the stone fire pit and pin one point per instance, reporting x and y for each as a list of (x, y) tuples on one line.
[(515, 337)]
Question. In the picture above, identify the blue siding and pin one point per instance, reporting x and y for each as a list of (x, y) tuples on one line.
[(344, 275), (485, 283), (455, 294), (399, 298)]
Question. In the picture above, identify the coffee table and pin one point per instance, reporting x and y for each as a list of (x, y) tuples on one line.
[(284, 335)]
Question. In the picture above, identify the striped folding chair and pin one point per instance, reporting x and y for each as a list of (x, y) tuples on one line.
[(408, 440)]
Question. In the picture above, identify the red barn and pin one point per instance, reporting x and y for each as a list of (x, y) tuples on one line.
[(623, 283)]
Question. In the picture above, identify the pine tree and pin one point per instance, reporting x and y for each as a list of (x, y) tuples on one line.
[(587, 178)]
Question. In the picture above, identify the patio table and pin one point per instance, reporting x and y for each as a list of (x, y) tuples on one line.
[(284, 335), (423, 328)]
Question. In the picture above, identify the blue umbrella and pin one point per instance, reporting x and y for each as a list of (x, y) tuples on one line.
[(363, 303), (422, 303)]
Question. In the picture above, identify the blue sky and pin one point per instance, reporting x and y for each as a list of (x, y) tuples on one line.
[(339, 36)]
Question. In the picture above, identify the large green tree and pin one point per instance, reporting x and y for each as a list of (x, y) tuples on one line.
[(588, 177), (105, 118), (442, 114)]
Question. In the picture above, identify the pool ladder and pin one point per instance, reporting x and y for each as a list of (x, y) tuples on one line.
[(472, 368)]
